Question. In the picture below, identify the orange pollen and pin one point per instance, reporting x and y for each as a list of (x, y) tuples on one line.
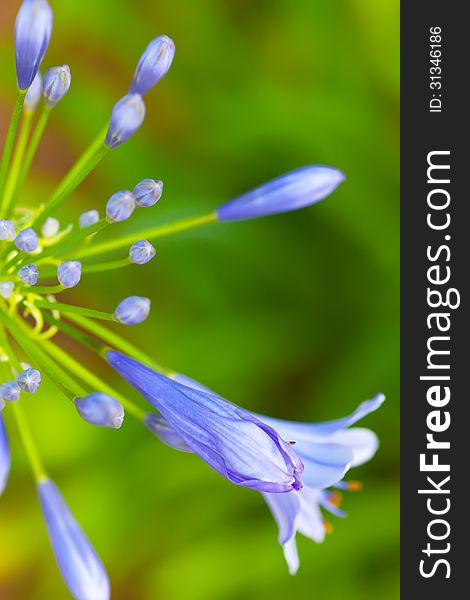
[(335, 498), (328, 526), (354, 486)]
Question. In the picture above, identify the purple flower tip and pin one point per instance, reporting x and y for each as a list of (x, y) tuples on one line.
[(5, 458), (291, 191), (27, 240), (101, 409), (126, 117), (153, 64), (56, 84), (33, 30), (132, 310), (69, 273)]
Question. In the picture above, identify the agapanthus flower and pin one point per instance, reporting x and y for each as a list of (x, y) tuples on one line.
[(290, 463), (33, 30), (81, 568), (327, 450), (5, 457), (232, 441)]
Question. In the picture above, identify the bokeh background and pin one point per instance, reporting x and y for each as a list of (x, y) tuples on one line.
[(293, 315)]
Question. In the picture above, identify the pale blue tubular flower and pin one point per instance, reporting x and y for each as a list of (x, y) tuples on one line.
[(56, 84), (327, 451), (5, 457), (141, 252), (231, 440), (153, 64), (88, 218), (291, 191), (126, 117), (29, 274), (34, 94), (10, 391), (148, 192), (81, 568), (69, 273), (29, 380), (50, 227), (27, 240), (33, 28), (6, 288), (7, 231), (132, 310), (101, 409), (120, 206)]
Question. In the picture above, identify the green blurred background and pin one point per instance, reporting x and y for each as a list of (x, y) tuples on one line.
[(293, 315)]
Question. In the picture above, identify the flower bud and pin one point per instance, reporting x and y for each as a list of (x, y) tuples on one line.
[(132, 310), (7, 230), (291, 191), (34, 94), (120, 206), (69, 273), (153, 64), (101, 409), (29, 380), (33, 28), (148, 192), (5, 457), (142, 252), (27, 240), (56, 84), (126, 117), (6, 288), (29, 274), (81, 568), (10, 391), (88, 218), (50, 227)]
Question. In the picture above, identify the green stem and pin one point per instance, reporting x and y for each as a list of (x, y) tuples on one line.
[(46, 289), (63, 381), (117, 342), (91, 380), (71, 181), (9, 143), (107, 266), (76, 334), (13, 176), (70, 308), (150, 234), (37, 467), (32, 148)]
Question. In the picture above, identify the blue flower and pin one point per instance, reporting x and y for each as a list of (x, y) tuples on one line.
[(56, 84), (69, 273), (101, 409), (327, 450), (6, 288), (29, 380), (88, 218), (126, 117), (141, 252), (291, 191), (5, 458), (148, 192), (27, 240), (29, 274), (120, 206), (232, 441), (50, 227), (132, 310), (10, 391), (153, 64), (34, 94), (79, 564), (7, 230), (33, 30)]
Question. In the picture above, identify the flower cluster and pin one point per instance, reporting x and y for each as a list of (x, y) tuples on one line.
[(298, 467)]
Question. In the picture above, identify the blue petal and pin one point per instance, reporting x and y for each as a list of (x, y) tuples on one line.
[(5, 457), (232, 441), (79, 564), (290, 191)]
